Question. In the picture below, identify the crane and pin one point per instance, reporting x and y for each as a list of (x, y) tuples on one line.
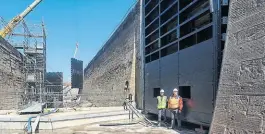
[(13, 23), (76, 48)]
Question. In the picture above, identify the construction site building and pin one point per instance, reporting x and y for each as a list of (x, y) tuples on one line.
[(53, 90), (184, 42), (77, 74)]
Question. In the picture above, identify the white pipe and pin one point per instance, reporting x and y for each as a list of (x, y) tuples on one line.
[(142, 73), (211, 6)]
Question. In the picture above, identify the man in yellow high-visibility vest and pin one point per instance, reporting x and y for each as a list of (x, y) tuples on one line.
[(161, 106)]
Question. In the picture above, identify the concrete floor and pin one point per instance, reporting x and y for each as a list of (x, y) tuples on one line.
[(127, 129), (97, 129), (93, 125)]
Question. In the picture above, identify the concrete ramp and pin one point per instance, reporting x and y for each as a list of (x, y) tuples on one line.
[(35, 107), (35, 124), (240, 104)]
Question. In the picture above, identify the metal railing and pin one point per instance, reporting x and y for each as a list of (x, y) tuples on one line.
[(133, 111)]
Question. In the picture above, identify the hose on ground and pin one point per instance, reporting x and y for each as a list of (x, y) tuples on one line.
[(118, 124)]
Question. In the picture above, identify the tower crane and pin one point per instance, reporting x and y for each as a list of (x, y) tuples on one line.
[(13, 23), (76, 48)]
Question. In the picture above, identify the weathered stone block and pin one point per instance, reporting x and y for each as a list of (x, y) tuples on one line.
[(249, 50), (228, 90), (237, 26), (255, 110), (235, 131), (239, 103), (252, 71), (240, 9), (223, 103), (235, 54), (257, 100), (231, 73), (217, 129), (241, 121), (249, 34), (251, 88), (222, 117)]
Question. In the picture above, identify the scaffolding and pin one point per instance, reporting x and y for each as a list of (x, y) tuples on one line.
[(39, 86), (30, 40)]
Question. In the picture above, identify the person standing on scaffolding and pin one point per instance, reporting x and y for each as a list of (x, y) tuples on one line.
[(161, 106), (175, 105)]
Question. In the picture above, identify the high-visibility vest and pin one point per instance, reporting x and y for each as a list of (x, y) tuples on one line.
[(175, 103), (161, 102)]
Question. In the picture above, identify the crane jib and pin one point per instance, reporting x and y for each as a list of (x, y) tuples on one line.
[(13, 23)]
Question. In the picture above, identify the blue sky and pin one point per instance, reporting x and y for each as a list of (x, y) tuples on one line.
[(90, 22)]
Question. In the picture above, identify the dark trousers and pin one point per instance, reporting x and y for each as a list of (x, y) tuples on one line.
[(175, 114)]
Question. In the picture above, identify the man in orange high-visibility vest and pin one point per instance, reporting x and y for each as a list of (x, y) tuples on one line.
[(175, 104)]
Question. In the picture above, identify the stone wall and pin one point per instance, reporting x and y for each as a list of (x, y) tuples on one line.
[(240, 104), (11, 76), (106, 74)]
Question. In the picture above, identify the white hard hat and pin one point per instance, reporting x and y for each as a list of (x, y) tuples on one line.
[(162, 91), (175, 90)]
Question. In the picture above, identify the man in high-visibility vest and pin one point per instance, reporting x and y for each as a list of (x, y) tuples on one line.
[(175, 104), (161, 106)]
